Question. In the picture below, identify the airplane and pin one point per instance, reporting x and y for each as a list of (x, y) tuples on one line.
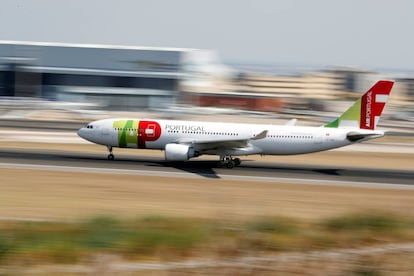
[(183, 140)]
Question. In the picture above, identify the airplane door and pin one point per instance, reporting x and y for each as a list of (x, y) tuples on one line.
[(105, 131), (322, 137), (108, 136), (318, 138)]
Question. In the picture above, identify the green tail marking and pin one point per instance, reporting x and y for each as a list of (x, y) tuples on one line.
[(353, 114)]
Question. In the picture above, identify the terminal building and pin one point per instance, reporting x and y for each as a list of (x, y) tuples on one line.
[(133, 78), (112, 77)]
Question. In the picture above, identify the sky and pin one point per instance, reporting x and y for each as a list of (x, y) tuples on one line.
[(365, 34)]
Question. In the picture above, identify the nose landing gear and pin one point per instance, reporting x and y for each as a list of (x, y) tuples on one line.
[(110, 155), (229, 162)]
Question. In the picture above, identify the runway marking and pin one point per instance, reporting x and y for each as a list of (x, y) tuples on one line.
[(244, 178), (25, 219)]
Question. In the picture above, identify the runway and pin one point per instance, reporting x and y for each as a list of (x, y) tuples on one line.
[(71, 181), (253, 170)]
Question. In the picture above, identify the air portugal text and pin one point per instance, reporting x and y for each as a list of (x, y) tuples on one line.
[(184, 128)]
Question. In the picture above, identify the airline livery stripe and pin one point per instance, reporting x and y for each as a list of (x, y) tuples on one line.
[(381, 98)]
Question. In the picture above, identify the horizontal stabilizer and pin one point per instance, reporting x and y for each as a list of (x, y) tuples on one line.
[(355, 136)]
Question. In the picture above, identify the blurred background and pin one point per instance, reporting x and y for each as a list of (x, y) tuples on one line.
[(268, 58), (40, 80)]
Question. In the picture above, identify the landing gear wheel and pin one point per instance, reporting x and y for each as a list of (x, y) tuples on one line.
[(230, 164), (237, 162)]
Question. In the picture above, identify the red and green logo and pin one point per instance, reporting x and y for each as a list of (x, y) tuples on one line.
[(135, 133)]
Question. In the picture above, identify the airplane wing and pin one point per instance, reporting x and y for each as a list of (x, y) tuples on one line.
[(222, 144)]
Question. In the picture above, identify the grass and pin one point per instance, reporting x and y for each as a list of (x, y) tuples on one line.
[(171, 238), (370, 222)]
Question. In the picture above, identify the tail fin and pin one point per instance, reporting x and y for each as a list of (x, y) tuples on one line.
[(366, 111)]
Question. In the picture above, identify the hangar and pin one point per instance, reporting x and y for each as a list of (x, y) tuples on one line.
[(114, 77)]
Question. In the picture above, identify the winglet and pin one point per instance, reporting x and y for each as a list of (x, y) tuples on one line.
[(366, 111), (291, 122), (259, 136)]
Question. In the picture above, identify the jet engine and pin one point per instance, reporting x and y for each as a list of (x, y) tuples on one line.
[(178, 152)]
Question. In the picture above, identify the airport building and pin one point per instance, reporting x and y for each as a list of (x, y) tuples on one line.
[(132, 78), (112, 77), (314, 90)]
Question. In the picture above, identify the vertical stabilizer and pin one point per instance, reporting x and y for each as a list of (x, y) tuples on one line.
[(366, 111)]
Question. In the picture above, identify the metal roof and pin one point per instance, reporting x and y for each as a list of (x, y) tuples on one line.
[(99, 46)]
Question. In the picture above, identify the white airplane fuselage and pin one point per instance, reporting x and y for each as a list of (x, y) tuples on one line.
[(183, 140), (156, 134)]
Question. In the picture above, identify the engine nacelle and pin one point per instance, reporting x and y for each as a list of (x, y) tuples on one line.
[(178, 152)]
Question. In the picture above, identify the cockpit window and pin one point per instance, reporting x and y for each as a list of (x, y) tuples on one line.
[(89, 126)]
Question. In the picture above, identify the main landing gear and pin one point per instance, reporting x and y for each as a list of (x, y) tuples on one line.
[(229, 162), (110, 155)]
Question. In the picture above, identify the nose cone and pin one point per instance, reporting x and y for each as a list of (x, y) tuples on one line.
[(86, 134), (81, 133)]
